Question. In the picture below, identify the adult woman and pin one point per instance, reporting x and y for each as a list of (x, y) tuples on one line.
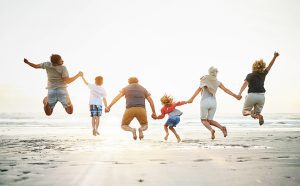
[(208, 105)]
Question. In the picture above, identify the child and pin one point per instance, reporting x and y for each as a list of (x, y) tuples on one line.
[(58, 78), (256, 92), (96, 95), (174, 115), (208, 105)]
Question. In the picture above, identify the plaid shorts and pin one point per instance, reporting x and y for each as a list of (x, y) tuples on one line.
[(96, 110)]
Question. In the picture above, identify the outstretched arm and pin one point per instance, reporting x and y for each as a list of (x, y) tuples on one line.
[(69, 80), (195, 95), (276, 54), (243, 87), (149, 99), (115, 100), (84, 80), (32, 64), (228, 91)]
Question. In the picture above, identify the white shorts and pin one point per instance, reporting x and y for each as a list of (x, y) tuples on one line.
[(256, 101), (208, 108)]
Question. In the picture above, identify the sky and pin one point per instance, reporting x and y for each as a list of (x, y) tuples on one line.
[(168, 44)]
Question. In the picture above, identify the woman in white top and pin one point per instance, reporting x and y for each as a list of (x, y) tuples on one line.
[(96, 95), (208, 105)]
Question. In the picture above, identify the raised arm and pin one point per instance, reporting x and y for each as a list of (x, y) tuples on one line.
[(84, 80), (121, 94), (245, 84), (194, 95), (32, 64), (228, 91), (69, 80), (149, 99), (276, 54)]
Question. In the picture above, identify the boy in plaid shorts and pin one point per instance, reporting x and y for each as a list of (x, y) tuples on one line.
[(97, 94)]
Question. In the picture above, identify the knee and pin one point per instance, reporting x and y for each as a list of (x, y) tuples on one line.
[(245, 113), (144, 127), (204, 121), (170, 127)]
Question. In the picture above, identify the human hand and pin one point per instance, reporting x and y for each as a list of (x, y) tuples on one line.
[(107, 109), (238, 97), (80, 73), (276, 54), (25, 60), (190, 101), (154, 116)]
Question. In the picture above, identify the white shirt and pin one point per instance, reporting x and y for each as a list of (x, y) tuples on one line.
[(96, 94)]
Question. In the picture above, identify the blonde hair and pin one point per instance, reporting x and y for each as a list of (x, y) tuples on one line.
[(133, 80), (166, 100), (259, 66), (213, 71)]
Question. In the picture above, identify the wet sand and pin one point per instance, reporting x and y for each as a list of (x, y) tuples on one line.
[(71, 156)]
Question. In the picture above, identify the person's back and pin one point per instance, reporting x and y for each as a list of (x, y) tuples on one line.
[(55, 75), (256, 81), (135, 95), (58, 78)]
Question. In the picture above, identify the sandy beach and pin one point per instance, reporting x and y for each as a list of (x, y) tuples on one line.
[(59, 154)]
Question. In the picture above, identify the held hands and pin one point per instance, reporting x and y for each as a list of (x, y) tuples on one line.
[(154, 116), (190, 101), (238, 97), (107, 109), (80, 73)]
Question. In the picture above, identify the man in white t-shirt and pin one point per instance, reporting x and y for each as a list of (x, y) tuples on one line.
[(97, 94)]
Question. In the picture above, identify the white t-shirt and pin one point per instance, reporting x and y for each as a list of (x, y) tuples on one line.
[(96, 94)]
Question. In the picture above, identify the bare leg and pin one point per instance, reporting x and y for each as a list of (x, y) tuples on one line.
[(167, 132), (207, 125), (48, 110), (97, 121), (246, 113), (221, 127), (174, 131), (260, 118), (94, 125), (128, 128), (141, 129), (69, 108)]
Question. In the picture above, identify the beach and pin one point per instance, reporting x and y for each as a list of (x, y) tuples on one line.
[(47, 151)]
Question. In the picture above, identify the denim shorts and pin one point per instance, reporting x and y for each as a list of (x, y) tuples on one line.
[(173, 121), (57, 94), (96, 110)]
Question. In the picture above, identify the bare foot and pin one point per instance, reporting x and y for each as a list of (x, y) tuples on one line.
[(94, 132), (224, 130), (213, 134), (178, 139), (97, 132), (261, 119), (166, 137), (134, 134), (141, 135)]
